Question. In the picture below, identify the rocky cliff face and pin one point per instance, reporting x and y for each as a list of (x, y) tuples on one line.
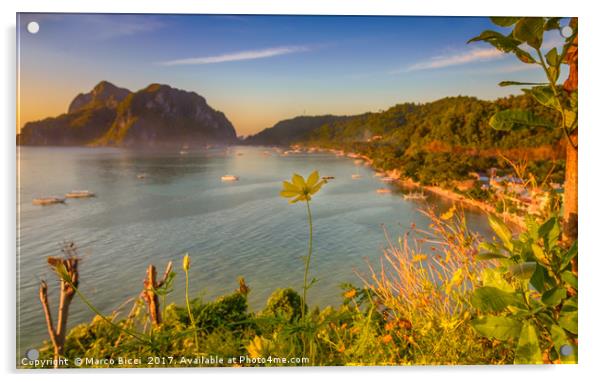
[(161, 115), (155, 116), (103, 94)]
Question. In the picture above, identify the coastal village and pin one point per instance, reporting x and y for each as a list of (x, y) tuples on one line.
[(516, 196)]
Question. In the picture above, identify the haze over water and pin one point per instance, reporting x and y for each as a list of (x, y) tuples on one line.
[(230, 229)]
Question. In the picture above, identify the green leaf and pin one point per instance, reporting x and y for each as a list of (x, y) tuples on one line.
[(554, 296), (524, 56), (545, 96), (569, 119), (513, 83), (553, 58), (504, 21), (527, 349), (511, 119), (568, 256), (494, 278), (529, 30), (523, 271), (538, 278), (561, 341), (501, 328), (568, 320), (490, 256), (496, 39), (489, 299), (552, 23), (550, 232), (502, 231), (539, 254), (570, 278)]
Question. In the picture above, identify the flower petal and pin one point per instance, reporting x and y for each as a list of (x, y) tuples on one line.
[(288, 194), (297, 199), (298, 181), (312, 179), (288, 186), (317, 187)]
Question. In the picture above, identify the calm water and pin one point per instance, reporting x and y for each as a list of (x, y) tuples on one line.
[(230, 229)]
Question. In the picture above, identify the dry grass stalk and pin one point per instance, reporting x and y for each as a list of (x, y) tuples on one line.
[(66, 267)]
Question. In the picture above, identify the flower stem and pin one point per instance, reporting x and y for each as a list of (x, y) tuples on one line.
[(190, 316), (140, 337), (307, 260)]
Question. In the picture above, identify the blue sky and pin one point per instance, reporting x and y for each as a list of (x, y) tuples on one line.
[(261, 69)]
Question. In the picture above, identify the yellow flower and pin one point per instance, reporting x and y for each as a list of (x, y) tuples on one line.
[(299, 189), (186, 263), (350, 293)]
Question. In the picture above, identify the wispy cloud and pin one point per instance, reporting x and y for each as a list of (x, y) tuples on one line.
[(474, 55), (105, 27), (238, 56)]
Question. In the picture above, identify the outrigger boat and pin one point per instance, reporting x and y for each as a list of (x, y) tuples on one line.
[(415, 196), (48, 201), (80, 194)]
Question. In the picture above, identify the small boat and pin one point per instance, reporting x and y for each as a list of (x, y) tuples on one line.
[(48, 201), (356, 176), (383, 191), (141, 176), (183, 152), (328, 177), (358, 161), (229, 178), (387, 179), (414, 196), (379, 174), (80, 194)]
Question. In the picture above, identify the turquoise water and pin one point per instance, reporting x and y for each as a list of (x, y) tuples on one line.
[(229, 229)]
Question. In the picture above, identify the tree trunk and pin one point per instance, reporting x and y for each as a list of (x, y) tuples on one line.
[(571, 192)]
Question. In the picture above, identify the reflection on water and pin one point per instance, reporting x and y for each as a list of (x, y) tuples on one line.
[(181, 205)]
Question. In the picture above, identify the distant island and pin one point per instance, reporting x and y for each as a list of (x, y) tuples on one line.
[(442, 143), (156, 116)]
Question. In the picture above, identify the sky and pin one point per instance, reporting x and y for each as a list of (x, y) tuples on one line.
[(259, 70)]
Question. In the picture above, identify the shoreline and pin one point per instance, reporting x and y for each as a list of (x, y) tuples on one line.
[(435, 190)]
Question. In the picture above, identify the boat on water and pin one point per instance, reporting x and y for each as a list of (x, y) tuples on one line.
[(358, 161), (80, 194), (48, 201), (414, 196), (141, 176), (328, 177), (183, 152), (387, 179), (229, 178), (383, 191), (378, 175), (356, 176)]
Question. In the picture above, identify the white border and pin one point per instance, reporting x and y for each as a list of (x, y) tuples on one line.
[(590, 160)]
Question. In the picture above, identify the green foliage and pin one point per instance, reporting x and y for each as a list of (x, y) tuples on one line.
[(530, 297), (228, 311), (531, 30), (284, 303), (511, 119)]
